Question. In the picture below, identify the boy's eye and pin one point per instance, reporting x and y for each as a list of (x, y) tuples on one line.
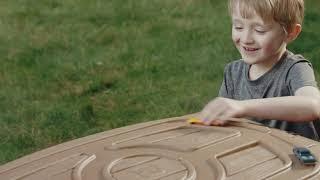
[(238, 27), (260, 31)]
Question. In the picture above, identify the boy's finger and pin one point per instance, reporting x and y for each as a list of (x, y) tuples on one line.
[(218, 123)]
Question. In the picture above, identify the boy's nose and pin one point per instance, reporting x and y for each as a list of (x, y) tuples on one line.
[(246, 37)]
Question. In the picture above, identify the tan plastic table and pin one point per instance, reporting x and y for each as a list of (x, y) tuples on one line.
[(171, 149)]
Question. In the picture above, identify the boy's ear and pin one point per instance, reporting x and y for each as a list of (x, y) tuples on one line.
[(293, 33)]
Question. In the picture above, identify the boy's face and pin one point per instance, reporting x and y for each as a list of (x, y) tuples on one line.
[(258, 42)]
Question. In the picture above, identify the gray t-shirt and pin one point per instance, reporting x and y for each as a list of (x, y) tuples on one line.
[(289, 74)]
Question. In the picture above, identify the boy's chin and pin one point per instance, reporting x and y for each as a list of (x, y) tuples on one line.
[(249, 61)]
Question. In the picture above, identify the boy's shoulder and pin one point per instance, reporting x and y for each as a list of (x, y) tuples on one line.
[(295, 60), (290, 58), (235, 66), (295, 57)]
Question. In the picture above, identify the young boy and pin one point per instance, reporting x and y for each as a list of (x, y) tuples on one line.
[(269, 84)]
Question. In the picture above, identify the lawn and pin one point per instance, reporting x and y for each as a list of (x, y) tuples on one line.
[(76, 67)]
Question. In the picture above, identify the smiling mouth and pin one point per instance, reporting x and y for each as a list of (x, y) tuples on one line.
[(250, 49)]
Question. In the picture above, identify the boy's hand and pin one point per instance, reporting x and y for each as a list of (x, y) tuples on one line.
[(217, 111)]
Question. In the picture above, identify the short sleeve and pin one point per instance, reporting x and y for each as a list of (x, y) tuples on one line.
[(301, 74), (226, 88)]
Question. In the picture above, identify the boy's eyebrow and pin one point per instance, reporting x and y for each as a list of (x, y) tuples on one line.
[(262, 25), (236, 20)]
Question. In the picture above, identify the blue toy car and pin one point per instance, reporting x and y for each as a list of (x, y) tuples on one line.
[(304, 155)]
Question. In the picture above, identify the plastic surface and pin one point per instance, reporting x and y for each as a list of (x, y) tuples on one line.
[(171, 149)]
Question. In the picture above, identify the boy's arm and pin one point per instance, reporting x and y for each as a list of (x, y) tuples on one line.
[(304, 106)]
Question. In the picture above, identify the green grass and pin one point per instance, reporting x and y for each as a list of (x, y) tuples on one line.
[(76, 67)]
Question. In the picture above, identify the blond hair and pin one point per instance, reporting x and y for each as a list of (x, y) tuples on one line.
[(285, 12)]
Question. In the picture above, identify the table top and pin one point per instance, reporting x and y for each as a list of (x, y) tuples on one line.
[(171, 149)]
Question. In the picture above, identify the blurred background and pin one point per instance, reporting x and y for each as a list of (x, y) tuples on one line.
[(73, 68)]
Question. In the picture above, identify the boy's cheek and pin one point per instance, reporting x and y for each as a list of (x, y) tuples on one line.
[(236, 42), (235, 38), (273, 47), (233, 35)]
